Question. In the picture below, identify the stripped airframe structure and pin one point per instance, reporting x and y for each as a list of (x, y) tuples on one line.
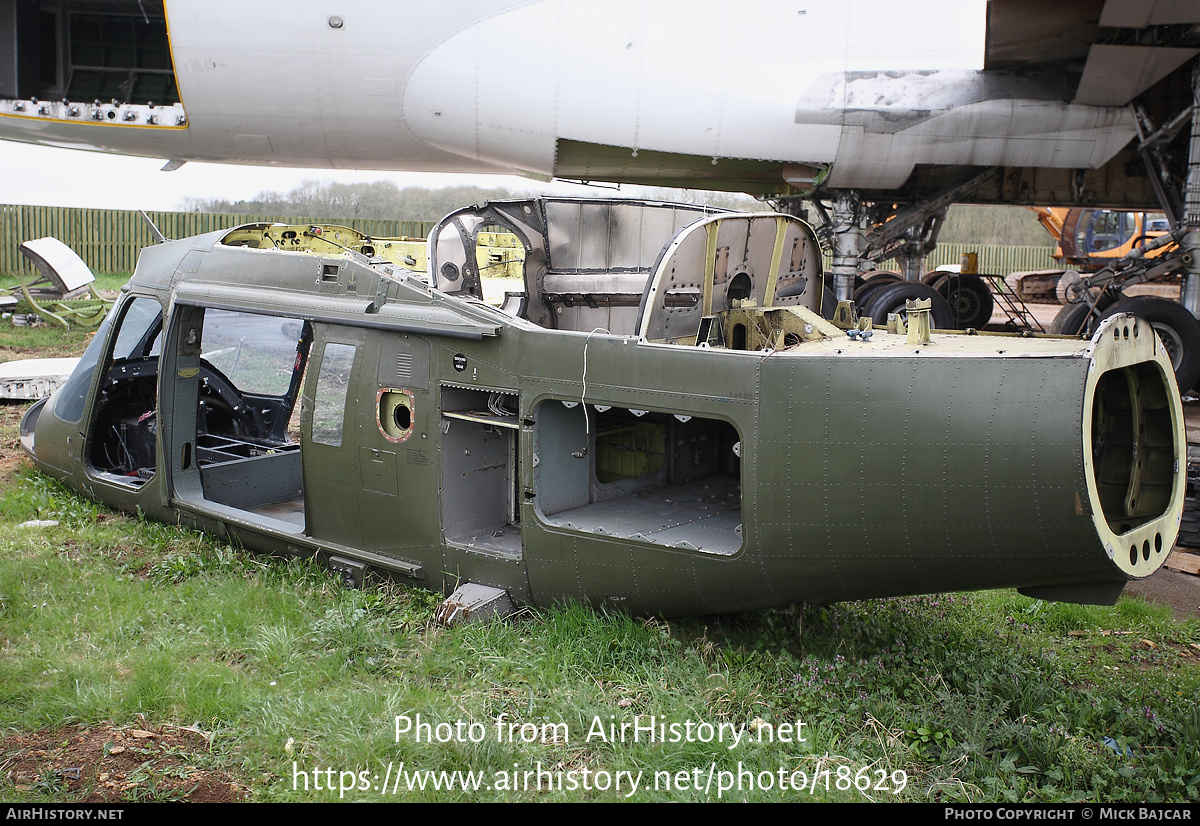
[(661, 421)]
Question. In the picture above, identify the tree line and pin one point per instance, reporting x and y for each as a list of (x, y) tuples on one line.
[(384, 200)]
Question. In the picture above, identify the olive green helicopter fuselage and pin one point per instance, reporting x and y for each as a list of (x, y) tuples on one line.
[(659, 421)]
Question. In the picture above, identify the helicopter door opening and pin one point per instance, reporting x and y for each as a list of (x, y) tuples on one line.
[(237, 380), (668, 479), (480, 503)]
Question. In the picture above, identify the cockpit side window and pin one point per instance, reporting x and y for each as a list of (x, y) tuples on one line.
[(333, 383), (257, 353), (141, 331), (71, 398), (139, 336), (251, 368)]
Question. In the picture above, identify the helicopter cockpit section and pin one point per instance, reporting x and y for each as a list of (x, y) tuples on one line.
[(247, 381)]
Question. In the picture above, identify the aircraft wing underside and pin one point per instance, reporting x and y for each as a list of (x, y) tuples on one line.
[(636, 92), (1117, 66)]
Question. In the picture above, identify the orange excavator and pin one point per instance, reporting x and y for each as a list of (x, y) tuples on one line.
[(1090, 239)]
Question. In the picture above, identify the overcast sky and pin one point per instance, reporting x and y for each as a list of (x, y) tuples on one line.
[(39, 175)]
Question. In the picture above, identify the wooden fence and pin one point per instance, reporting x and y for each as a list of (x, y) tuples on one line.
[(109, 240), (994, 259)]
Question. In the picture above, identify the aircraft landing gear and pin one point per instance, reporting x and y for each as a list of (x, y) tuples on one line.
[(1176, 328), (969, 297), (1079, 319), (892, 299)]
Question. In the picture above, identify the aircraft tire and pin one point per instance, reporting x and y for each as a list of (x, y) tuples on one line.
[(1072, 319), (1176, 328), (891, 300), (871, 287), (1189, 525), (828, 304), (969, 297)]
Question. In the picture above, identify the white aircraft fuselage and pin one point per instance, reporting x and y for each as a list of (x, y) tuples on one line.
[(853, 93)]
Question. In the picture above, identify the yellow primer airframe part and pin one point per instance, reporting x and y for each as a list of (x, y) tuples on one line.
[(1137, 537), (710, 266), (781, 228)]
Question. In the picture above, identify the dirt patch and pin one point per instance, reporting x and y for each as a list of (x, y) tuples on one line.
[(103, 764), (12, 458), (1181, 592)]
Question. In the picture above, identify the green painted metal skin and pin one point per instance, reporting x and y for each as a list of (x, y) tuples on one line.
[(827, 470)]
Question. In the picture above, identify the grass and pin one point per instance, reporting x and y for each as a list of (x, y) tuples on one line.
[(980, 697), (300, 684)]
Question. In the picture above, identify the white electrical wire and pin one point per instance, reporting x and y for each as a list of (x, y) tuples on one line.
[(587, 426)]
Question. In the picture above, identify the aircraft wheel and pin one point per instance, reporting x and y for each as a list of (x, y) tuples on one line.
[(1176, 328), (1073, 319), (969, 297), (828, 304), (892, 299), (871, 287)]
